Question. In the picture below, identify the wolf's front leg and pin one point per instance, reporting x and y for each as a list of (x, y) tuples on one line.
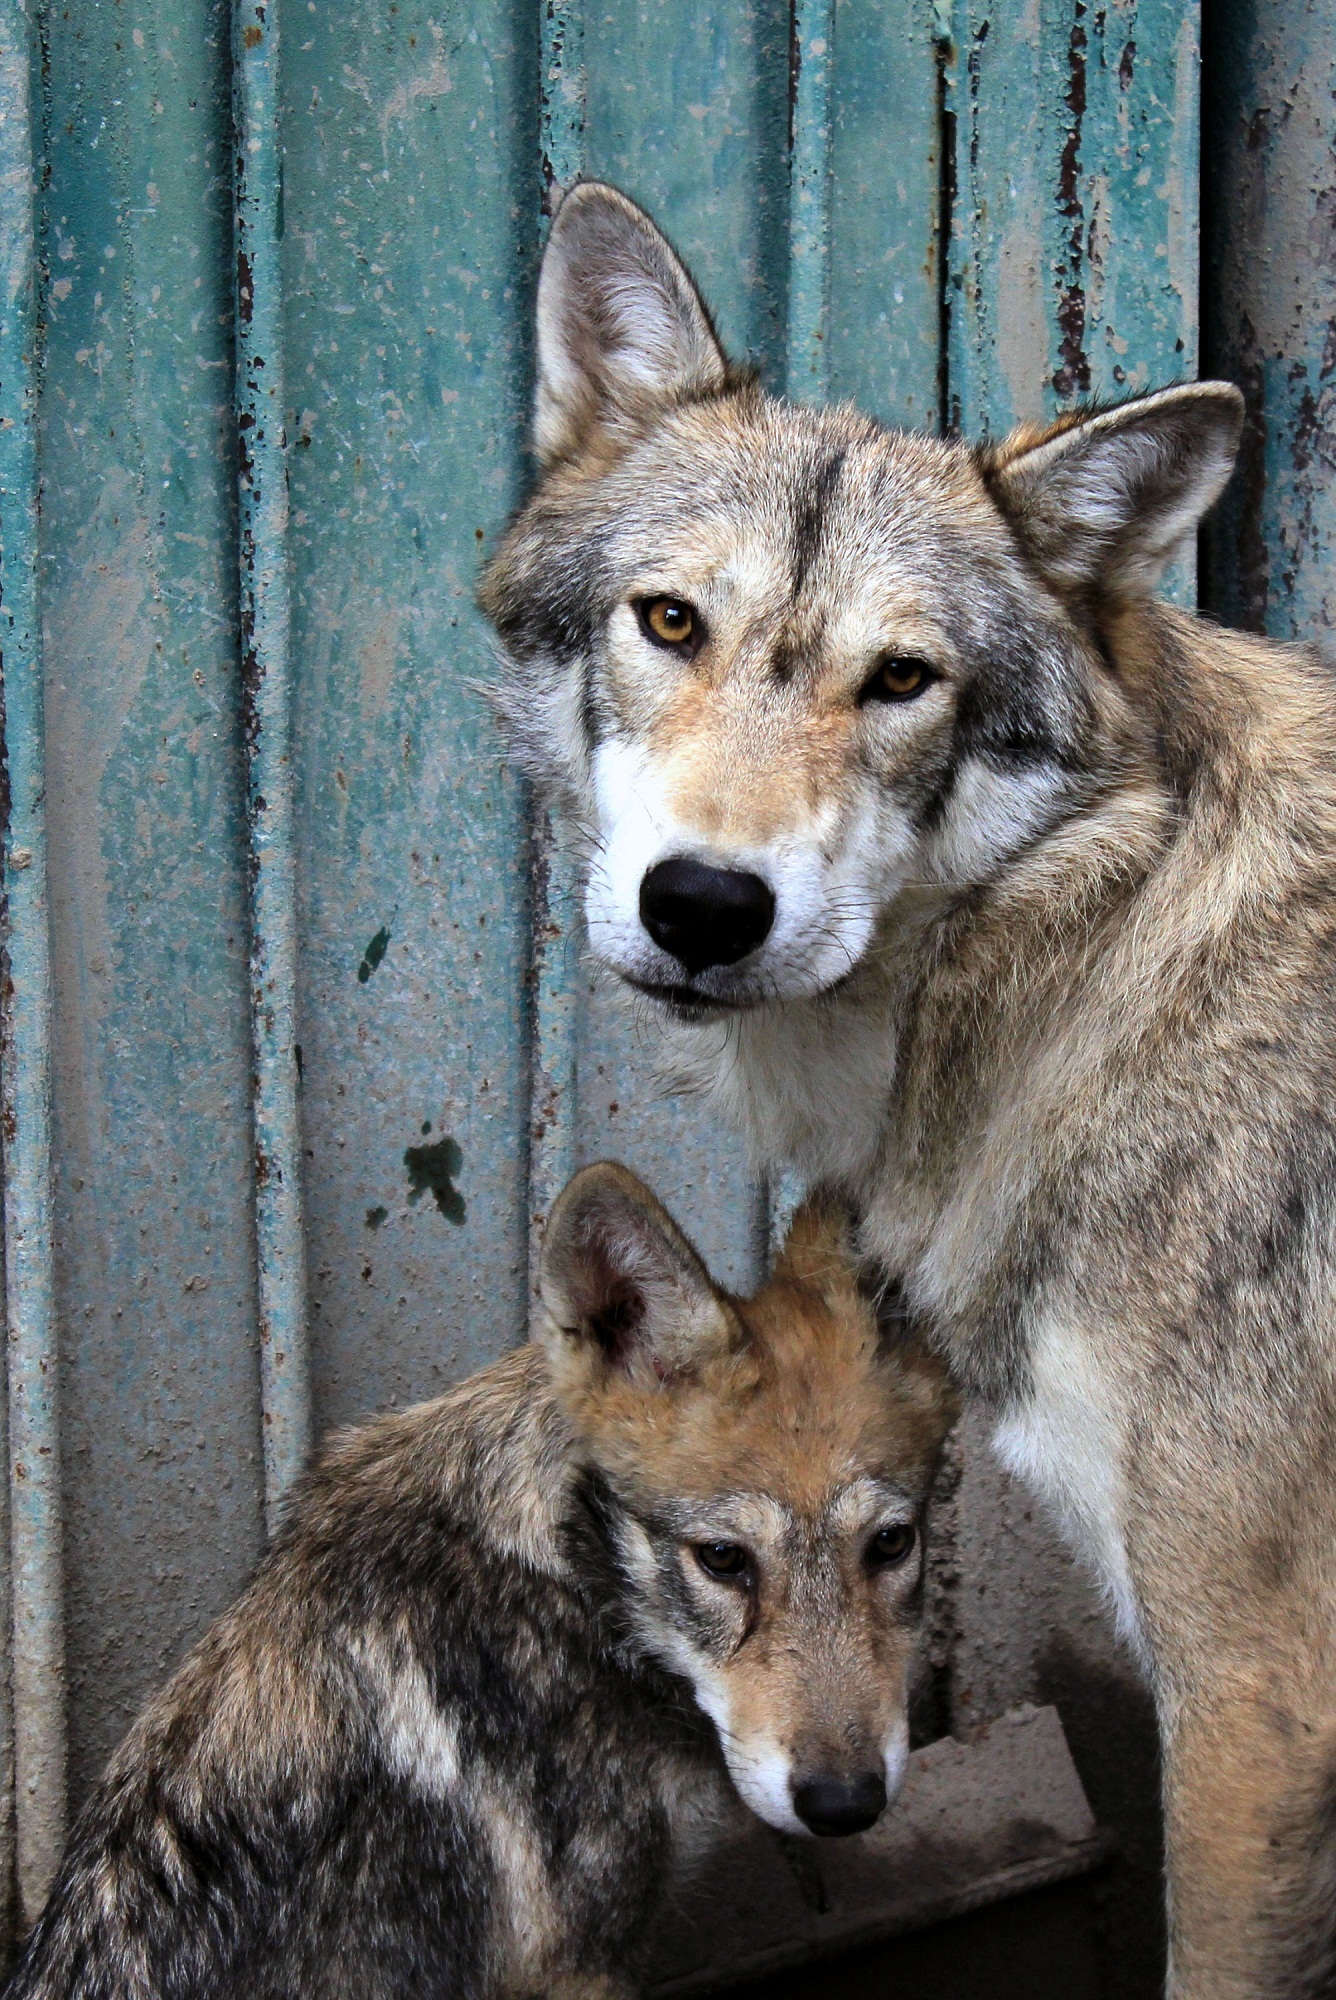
[(1250, 1826)]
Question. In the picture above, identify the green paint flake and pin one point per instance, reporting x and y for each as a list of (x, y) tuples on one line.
[(373, 954), (432, 1170), (375, 1216)]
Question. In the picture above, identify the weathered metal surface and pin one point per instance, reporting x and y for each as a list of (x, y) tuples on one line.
[(1073, 259), (554, 869), (886, 166), (411, 213), (266, 697), (1269, 185), (33, 1801), (811, 62), (155, 1255)]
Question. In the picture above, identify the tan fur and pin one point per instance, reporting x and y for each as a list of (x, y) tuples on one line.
[(787, 1424)]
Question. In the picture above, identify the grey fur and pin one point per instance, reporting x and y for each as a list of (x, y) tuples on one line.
[(1050, 995)]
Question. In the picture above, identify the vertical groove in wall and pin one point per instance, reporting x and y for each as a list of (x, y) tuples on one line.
[(266, 686), (38, 1665), (811, 62), (806, 349), (553, 869)]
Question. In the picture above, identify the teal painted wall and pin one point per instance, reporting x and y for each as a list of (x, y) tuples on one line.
[(1007, 218)]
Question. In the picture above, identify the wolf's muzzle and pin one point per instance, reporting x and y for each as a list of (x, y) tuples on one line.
[(840, 1805), (705, 916)]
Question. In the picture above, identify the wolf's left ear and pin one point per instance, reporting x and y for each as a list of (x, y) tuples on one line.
[(624, 1292), (621, 327), (1102, 503)]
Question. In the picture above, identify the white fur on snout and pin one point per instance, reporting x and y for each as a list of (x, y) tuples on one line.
[(895, 1756), (829, 885), (761, 1772)]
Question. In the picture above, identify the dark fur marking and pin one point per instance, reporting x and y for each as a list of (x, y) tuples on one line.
[(809, 517)]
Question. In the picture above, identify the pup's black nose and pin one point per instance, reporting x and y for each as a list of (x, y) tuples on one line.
[(840, 1805), (703, 915)]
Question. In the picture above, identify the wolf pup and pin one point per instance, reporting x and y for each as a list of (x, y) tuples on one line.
[(497, 1664), (970, 878)]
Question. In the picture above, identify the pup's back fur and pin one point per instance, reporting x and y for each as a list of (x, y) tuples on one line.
[(452, 1735)]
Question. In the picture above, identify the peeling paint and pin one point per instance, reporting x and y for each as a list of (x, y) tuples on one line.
[(373, 954), (433, 1170)]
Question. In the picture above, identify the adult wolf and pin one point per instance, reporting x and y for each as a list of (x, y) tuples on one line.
[(969, 877)]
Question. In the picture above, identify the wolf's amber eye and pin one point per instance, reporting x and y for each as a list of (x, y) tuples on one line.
[(891, 1545), (897, 677), (669, 622), (722, 1558)]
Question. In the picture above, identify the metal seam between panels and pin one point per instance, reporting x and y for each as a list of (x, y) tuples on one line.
[(807, 363), (553, 869), (806, 346), (34, 1438), (265, 610)]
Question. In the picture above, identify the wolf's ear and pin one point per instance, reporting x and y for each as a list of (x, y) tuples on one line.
[(1102, 502), (621, 327), (624, 1292)]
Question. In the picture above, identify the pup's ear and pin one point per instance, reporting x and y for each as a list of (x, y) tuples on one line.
[(819, 1252), (1103, 502), (621, 327), (624, 1292)]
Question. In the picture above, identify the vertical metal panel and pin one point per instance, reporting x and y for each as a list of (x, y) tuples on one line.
[(1270, 307), (554, 870), (155, 1252), (411, 213), (1074, 242), (811, 64), (885, 317), (38, 1660), (694, 123), (266, 694)]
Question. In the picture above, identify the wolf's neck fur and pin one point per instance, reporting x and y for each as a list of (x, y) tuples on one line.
[(979, 1045)]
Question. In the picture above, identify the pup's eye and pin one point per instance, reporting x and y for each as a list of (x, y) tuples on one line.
[(891, 1545), (722, 1559), (668, 621), (897, 677)]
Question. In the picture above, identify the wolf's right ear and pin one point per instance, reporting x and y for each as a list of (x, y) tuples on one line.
[(624, 1292), (621, 327), (1103, 500)]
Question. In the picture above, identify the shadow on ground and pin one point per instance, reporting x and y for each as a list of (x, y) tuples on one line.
[(1043, 1946)]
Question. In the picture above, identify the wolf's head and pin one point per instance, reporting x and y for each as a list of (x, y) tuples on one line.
[(787, 669), (761, 1469)]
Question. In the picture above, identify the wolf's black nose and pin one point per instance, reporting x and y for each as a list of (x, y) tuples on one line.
[(840, 1805), (703, 915)]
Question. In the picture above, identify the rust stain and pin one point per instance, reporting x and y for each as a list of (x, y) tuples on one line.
[(1073, 376), (245, 289), (252, 36), (1253, 557)]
